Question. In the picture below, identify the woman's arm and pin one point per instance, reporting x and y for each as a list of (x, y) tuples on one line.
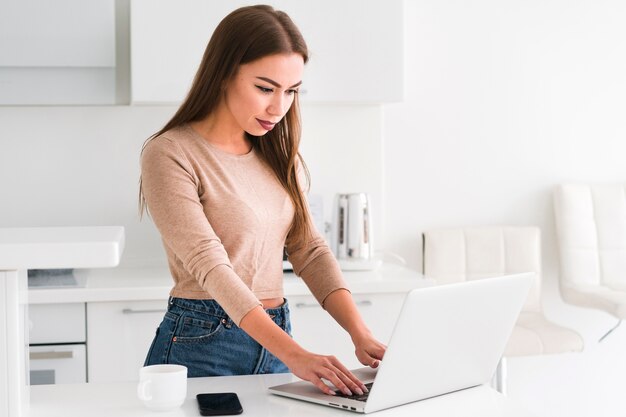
[(302, 363), (342, 308)]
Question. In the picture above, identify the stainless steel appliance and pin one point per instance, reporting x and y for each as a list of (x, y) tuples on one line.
[(352, 237)]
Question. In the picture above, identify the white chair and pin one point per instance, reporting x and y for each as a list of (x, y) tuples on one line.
[(591, 234), (454, 255)]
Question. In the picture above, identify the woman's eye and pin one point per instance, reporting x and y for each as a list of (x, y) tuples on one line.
[(264, 89), (292, 92)]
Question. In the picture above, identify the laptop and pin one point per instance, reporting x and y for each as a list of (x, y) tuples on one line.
[(447, 338)]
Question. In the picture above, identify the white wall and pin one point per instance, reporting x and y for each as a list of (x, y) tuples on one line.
[(504, 100), (79, 166)]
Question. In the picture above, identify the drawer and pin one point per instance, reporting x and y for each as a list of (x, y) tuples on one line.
[(58, 364), (57, 323)]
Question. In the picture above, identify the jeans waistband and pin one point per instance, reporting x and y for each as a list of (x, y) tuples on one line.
[(213, 308)]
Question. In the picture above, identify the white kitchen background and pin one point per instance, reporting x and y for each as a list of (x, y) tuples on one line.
[(503, 101)]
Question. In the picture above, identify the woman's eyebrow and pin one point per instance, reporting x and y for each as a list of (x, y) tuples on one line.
[(275, 84)]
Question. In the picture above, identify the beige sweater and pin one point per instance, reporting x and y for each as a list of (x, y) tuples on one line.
[(224, 220)]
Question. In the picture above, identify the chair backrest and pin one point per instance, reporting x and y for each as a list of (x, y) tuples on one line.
[(591, 233), (453, 255)]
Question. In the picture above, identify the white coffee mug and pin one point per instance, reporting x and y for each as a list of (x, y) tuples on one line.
[(162, 387)]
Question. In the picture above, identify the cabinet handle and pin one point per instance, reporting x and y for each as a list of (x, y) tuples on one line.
[(51, 355), (133, 311), (362, 303)]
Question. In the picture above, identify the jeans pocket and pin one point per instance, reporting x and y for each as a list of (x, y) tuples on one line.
[(195, 328), (162, 342)]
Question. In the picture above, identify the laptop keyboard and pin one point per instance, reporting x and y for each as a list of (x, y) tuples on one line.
[(357, 397)]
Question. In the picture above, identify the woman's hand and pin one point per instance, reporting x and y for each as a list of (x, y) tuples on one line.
[(302, 363), (314, 368), (369, 351)]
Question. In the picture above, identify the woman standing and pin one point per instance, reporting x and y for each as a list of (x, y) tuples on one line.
[(224, 183)]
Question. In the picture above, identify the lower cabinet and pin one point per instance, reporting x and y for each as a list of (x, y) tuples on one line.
[(119, 333), (118, 337), (315, 330)]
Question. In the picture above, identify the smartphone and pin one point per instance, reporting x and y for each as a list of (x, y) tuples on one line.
[(219, 404)]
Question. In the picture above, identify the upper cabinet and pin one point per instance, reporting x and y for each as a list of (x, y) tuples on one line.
[(355, 47), (57, 52)]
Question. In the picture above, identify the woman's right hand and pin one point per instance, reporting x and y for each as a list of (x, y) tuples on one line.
[(302, 363), (314, 368)]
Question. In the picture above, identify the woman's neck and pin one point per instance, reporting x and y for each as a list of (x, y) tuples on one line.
[(228, 137)]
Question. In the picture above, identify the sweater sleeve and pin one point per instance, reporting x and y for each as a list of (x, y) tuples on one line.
[(170, 188), (314, 262)]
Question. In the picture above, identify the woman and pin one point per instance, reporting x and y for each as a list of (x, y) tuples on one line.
[(223, 181)]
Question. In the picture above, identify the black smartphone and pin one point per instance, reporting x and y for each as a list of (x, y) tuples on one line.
[(219, 404)]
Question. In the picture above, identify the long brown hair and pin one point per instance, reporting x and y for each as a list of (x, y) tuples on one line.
[(245, 35)]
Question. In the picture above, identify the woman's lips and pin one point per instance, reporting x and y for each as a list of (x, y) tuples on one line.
[(265, 124)]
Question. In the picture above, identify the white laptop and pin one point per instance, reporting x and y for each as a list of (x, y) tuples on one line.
[(447, 338)]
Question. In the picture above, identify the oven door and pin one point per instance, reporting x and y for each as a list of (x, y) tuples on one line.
[(58, 364)]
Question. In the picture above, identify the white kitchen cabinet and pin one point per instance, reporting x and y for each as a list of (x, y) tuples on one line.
[(355, 47), (62, 33), (119, 336), (57, 323), (315, 330), (59, 52), (120, 333)]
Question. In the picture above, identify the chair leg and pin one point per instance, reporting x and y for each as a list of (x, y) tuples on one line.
[(500, 377), (610, 331)]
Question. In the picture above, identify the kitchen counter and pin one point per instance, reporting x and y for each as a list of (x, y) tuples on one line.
[(38, 248), (120, 400), (154, 283), (60, 247)]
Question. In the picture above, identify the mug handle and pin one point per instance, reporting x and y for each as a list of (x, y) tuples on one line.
[(142, 390)]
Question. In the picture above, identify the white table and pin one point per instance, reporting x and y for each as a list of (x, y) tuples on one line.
[(120, 400), (31, 248)]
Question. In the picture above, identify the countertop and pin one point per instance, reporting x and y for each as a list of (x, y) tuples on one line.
[(40, 248), (120, 400), (154, 283), (60, 247)]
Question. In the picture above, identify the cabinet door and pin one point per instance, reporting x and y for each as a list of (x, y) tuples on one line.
[(355, 47), (58, 52), (315, 330), (118, 337), (60, 33)]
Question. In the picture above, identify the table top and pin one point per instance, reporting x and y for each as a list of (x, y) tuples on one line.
[(60, 247), (120, 399), (155, 283)]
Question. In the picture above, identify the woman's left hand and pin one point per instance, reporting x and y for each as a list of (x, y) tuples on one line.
[(368, 350)]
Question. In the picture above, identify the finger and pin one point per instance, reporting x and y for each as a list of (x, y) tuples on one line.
[(323, 387), (350, 379), (331, 375), (368, 359), (379, 351)]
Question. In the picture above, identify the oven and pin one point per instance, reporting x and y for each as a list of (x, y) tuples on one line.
[(58, 352)]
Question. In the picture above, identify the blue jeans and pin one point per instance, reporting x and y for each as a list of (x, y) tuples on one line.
[(201, 336)]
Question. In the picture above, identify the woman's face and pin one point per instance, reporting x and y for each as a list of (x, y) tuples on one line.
[(262, 91)]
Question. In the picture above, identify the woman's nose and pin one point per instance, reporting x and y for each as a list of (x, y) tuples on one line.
[(279, 105)]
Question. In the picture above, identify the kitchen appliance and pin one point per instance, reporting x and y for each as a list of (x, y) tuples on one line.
[(58, 343), (352, 237), (316, 209)]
